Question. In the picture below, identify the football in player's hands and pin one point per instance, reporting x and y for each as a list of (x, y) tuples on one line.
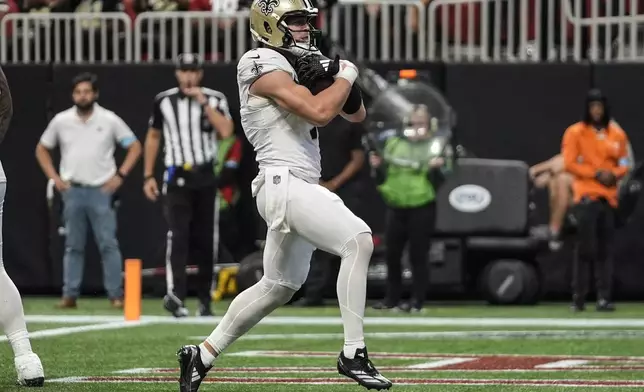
[(309, 76), (310, 70), (320, 85)]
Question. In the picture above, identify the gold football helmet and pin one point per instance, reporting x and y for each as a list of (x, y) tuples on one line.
[(284, 23)]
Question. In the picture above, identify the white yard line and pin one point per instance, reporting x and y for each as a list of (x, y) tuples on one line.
[(441, 363), (377, 321), (80, 329), (67, 319), (566, 363), (492, 335)]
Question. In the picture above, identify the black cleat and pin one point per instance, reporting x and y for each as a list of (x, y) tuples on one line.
[(204, 311), (361, 370), (30, 371), (578, 304), (193, 371), (174, 305), (576, 307), (385, 305), (400, 306), (35, 382), (306, 302), (605, 306)]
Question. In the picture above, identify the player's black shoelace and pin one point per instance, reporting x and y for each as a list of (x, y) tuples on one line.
[(366, 363)]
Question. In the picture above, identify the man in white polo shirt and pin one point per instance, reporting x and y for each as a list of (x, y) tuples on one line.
[(87, 134)]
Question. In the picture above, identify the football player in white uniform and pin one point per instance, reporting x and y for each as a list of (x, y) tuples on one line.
[(279, 116), (12, 317)]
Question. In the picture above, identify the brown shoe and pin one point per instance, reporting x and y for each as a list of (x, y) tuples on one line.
[(117, 303), (67, 303)]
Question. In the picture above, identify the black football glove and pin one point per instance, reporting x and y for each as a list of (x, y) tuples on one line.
[(312, 74)]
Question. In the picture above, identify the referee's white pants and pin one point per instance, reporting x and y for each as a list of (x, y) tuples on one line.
[(317, 218)]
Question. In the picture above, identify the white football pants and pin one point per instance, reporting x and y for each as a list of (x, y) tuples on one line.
[(12, 315), (318, 218)]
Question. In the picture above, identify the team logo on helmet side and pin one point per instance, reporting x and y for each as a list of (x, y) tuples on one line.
[(267, 6)]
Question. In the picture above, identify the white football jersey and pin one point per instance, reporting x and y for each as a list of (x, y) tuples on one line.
[(279, 137)]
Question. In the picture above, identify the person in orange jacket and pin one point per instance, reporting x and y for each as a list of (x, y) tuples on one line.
[(595, 152)]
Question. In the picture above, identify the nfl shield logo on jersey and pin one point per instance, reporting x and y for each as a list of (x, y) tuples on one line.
[(277, 180)]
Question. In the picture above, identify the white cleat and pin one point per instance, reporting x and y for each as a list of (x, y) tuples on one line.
[(30, 370)]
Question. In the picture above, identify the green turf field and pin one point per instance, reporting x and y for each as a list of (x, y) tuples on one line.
[(450, 348)]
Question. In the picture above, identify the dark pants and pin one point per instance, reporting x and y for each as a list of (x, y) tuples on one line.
[(190, 213), (325, 266), (414, 226), (230, 235), (593, 249)]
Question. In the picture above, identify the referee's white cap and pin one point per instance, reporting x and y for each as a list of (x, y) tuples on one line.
[(189, 62)]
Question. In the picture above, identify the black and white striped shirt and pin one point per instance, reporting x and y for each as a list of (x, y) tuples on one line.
[(189, 138)]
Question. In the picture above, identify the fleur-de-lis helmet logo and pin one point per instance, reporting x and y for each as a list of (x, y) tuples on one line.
[(267, 6)]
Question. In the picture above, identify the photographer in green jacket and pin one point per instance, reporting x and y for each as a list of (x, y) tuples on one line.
[(408, 177)]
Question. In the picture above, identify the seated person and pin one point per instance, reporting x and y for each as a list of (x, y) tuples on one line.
[(550, 174)]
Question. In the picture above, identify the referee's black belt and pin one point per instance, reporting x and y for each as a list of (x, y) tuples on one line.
[(187, 168)]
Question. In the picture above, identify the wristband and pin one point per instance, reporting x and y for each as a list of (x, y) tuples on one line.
[(354, 100), (118, 173), (146, 178), (349, 72)]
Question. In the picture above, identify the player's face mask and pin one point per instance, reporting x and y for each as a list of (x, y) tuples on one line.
[(300, 36)]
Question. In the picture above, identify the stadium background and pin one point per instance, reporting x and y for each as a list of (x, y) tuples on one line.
[(510, 105)]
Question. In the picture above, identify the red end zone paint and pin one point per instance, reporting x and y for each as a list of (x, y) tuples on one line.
[(442, 362), (402, 369), (429, 355), (425, 363), (487, 362), (399, 381)]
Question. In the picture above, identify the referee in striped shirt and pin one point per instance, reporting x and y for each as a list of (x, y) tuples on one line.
[(189, 119)]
